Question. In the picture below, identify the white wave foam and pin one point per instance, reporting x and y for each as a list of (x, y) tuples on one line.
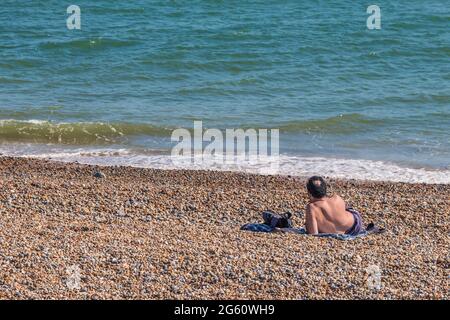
[(32, 121), (286, 165)]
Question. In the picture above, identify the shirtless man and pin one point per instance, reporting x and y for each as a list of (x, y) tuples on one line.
[(328, 214)]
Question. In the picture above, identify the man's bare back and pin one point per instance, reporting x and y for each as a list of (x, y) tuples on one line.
[(328, 215)]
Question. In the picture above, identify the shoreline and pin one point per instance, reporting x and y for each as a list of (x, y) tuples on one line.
[(286, 165), (174, 234)]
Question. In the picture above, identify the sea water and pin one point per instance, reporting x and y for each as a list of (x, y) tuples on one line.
[(348, 101)]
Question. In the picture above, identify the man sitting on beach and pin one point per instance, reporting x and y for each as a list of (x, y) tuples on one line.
[(329, 214)]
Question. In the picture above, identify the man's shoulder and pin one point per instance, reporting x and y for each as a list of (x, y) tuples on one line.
[(336, 197), (312, 207)]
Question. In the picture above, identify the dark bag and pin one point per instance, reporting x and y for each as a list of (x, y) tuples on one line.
[(277, 221)]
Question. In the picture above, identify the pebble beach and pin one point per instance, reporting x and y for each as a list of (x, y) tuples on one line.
[(130, 233)]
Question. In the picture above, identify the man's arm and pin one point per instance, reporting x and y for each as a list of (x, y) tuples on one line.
[(311, 222)]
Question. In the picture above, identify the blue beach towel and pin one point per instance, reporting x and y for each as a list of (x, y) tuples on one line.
[(261, 227), (357, 231), (257, 227)]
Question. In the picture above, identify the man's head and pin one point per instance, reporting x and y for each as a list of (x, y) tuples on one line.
[(317, 188)]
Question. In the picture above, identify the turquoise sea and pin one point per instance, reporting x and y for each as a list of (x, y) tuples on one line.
[(349, 101)]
